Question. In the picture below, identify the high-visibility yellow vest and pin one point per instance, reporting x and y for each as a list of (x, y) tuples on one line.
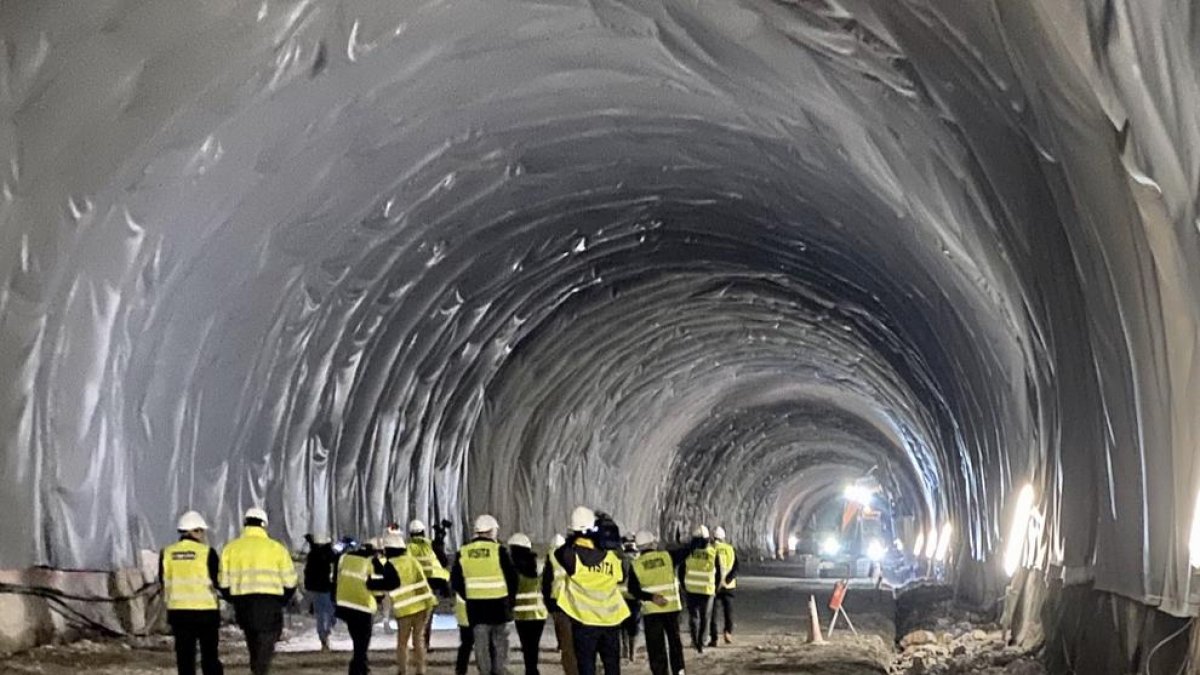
[(592, 596), (352, 592), (727, 555), (625, 592), (255, 564), (413, 596), (421, 549), (656, 575), (185, 580), (700, 572), (482, 573), (460, 612), (530, 605), (559, 580)]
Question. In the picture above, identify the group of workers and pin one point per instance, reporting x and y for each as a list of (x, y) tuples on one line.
[(595, 586)]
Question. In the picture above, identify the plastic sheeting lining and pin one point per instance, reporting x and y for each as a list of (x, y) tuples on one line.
[(678, 259)]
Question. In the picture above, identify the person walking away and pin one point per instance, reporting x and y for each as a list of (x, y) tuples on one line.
[(701, 571), (553, 581), (530, 611), (466, 637), (591, 596), (259, 578), (629, 628), (362, 575), (412, 604), (433, 565), (189, 570), (484, 575), (318, 584), (655, 582), (726, 585)]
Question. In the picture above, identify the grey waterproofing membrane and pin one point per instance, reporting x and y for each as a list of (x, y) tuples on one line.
[(360, 261)]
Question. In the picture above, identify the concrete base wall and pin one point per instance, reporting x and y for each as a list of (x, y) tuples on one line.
[(28, 620), (1082, 630)]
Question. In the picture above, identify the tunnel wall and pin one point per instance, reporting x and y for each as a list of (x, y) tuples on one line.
[(365, 261)]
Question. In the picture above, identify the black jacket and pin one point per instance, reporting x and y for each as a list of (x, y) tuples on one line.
[(487, 612), (318, 569)]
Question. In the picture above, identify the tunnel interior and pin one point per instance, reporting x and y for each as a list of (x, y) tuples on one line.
[(681, 261)]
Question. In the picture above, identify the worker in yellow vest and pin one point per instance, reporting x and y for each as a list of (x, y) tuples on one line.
[(189, 571), (655, 582), (466, 637), (727, 558), (592, 595), (433, 564), (629, 627), (530, 610), (553, 580), (363, 576), (484, 575), (701, 572), (412, 604), (259, 578)]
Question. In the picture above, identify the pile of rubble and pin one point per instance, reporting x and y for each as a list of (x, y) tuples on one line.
[(961, 649)]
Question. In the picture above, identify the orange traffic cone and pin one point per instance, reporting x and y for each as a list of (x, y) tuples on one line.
[(814, 623)]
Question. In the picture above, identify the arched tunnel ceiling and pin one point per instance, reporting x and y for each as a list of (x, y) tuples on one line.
[(368, 260)]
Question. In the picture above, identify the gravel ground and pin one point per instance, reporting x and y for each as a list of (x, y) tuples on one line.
[(770, 638)]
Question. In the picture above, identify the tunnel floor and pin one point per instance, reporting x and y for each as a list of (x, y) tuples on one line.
[(770, 638)]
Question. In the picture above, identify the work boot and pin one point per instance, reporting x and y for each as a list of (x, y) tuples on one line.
[(325, 644), (728, 638)]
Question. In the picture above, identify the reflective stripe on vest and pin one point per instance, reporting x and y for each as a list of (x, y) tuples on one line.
[(414, 595), (255, 564), (482, 574), (656, 575), (186, 583), (460, 612), (352, 592), (559, 580), (421, 550), (530, 605), (700, 577), (592, 596), (727, 556)]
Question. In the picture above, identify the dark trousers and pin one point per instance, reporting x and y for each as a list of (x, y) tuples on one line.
[(629, 629), (261, 619), (699, 607), (190, 628), (593, 641), (663, 645), (530, 635), (466, 647), (360, 625), (724, 602)]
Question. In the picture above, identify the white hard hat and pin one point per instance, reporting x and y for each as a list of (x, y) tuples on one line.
[(393, 540), (415, 526), (558, 542), (520, 539), (486, 523), (376, 543), (719, 533), (191, 521), (701, 531), (644, 539), (322, 539), (257, 514), (583, 519)]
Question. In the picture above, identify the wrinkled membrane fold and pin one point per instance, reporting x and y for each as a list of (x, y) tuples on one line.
[(677, 259)]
